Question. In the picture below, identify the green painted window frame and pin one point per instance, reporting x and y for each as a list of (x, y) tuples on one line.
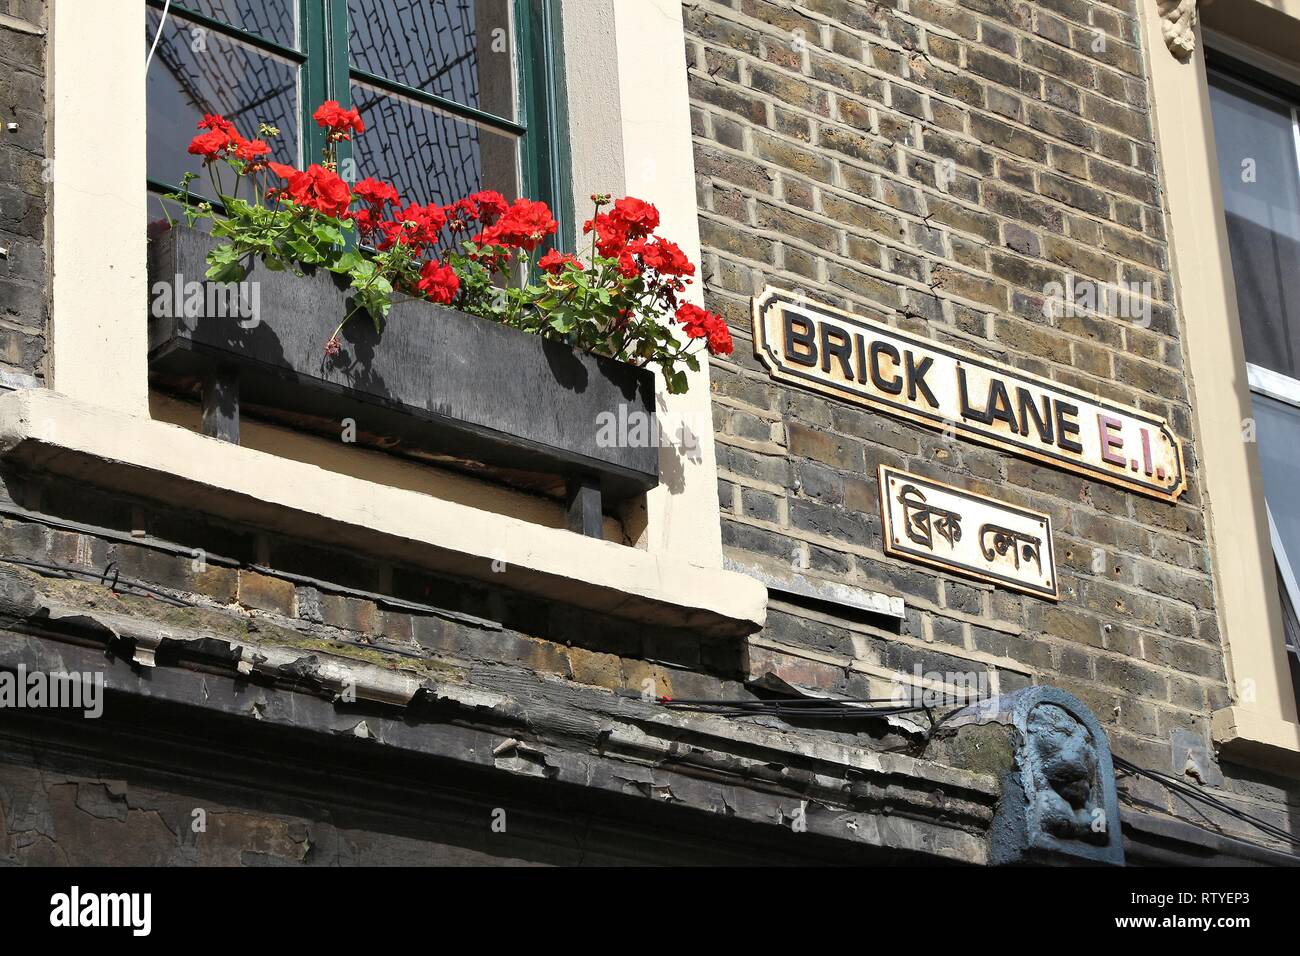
[(326, 74)]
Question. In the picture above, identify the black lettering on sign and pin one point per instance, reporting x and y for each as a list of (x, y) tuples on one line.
[(964, 401), (866, 361), (1067, 425), (840, 348), (800, 340), (1029, 410), (916, 379), (999, 406), (890, 386)]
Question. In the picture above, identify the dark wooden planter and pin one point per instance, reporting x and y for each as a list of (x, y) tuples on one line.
[(435, 379)]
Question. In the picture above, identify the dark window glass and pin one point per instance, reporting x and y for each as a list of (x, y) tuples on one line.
[(1291, 628), (428, 155), (274, 20), (460, 50), (219, 75), (1259, 170), (1277, 432)]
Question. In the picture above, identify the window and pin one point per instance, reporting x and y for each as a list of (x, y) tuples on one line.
[(1257, 133), (457, 95)]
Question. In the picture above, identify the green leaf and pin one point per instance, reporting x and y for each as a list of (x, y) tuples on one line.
[(224, 265), (303, 250), (347, 262), (226, 272), (330, 235)]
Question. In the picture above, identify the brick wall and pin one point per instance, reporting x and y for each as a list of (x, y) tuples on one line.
[(937, 164), (819, 167), (22, 192)]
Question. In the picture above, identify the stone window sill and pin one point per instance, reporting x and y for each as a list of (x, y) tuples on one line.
[(154, 460), (1258, 740)]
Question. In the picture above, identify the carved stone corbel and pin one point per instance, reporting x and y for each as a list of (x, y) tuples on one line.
[(1058, 802), (1178, 23)]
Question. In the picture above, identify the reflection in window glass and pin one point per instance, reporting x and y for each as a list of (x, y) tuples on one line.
[(1260, 174), (460, 50), (1277, 432), (274, 20), (226, 76), (428, 155)]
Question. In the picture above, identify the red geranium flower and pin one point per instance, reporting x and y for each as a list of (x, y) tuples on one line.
[(555, 262), (627, 265), (315, 188), (664, 256), (611, 235), (487, 206), (340, 122), (210, 145), (217, 123), (375, 192), (249, 150), (524, 225), (439, 282), (415, 226), (640, 218), (484, 207), (699, 323), (365, 220)]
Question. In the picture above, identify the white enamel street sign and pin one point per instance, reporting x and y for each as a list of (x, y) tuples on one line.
[(870, 363), (943, 526)]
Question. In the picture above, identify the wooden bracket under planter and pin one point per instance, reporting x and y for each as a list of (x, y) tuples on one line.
[(434, 379)]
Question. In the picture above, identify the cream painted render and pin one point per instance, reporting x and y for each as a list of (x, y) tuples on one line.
[(98, 289), (1261, 723), (112, 448)]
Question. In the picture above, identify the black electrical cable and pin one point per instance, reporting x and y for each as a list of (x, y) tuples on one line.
[(172, 548), (107, 575), (851, 707), (809, 701), (856, 712), (1184, 790)]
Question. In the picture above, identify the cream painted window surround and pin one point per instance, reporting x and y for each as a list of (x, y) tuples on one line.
[(1259, 725), (94, 423)]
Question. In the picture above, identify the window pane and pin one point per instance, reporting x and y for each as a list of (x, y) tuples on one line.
[(1291, 629), (1277, 432), (1260, 175), (222, 76), (461, 50), (428, 155), (274, 20)]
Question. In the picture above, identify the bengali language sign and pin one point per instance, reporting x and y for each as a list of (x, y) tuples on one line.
[(939, 525)]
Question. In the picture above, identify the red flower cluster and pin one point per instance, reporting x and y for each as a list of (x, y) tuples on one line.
[(415, 226), (633, 279), (439, 282), (555, 262), (376, 195), (485, 207), (701, 324), (629, 220), (663, 256), (625, 234), (524, 225), (316, 188), (375, 192), (341, 123), (222, 139)]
